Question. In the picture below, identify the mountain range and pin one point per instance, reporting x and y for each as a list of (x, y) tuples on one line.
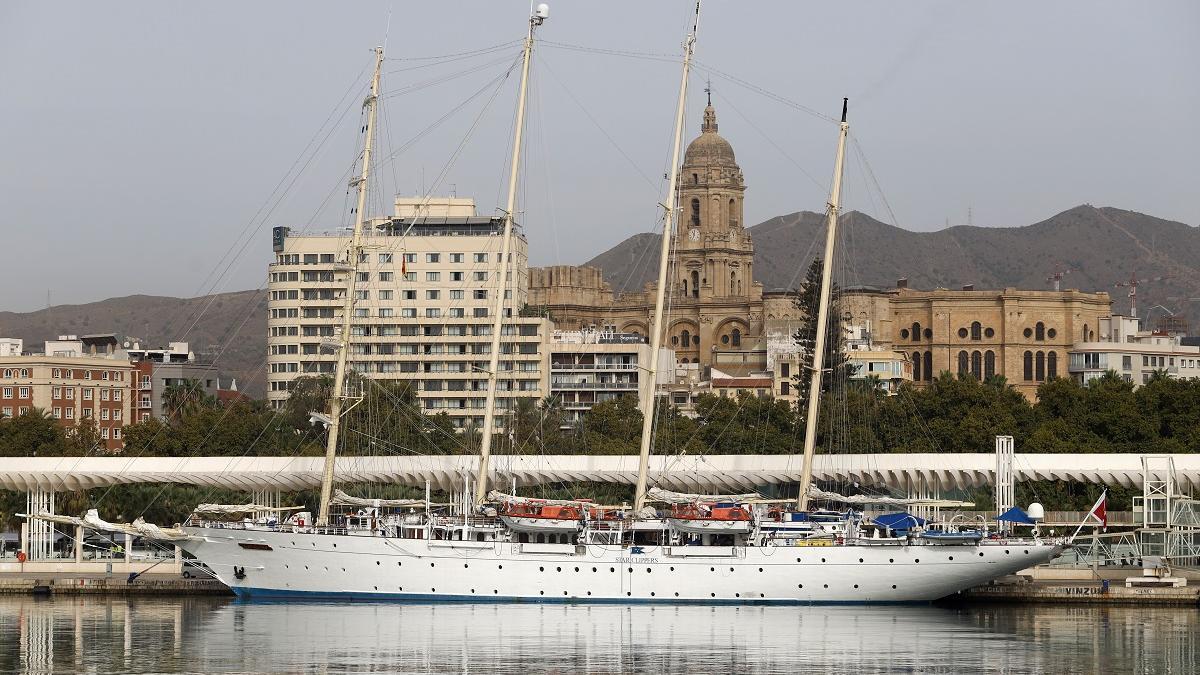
[(1095, 249)]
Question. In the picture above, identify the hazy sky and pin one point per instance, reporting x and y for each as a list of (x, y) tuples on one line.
[(138, 140)]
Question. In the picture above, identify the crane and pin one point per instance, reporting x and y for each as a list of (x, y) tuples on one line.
[(1060, 270), (1132, 285)]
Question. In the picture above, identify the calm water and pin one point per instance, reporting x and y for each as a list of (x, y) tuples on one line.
[(213, 635)]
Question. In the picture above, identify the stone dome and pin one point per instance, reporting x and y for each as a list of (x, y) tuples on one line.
[(709, 148)]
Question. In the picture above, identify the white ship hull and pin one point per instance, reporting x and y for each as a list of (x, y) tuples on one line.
[(285, 564)]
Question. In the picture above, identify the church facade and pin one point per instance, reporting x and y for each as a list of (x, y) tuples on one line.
[(716, 311)]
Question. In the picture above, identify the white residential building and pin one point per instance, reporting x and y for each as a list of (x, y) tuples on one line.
[(1132, 353), (425, 290), (589, 366)]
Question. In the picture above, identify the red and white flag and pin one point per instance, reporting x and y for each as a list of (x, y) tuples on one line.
[(1100, 510)]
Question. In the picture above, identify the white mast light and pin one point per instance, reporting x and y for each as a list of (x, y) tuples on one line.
[(542, 12)]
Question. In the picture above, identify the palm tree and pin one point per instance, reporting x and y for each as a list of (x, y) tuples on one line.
[(183, 399)]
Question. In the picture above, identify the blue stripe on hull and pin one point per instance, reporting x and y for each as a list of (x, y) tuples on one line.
[(271, 594)]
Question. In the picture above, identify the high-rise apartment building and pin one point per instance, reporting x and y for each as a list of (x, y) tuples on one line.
[(425, 293)]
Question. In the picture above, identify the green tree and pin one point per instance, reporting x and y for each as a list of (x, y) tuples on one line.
[(837, 369), (185, 398)]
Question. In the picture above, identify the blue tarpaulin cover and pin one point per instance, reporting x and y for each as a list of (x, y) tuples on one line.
[(1016, 515), (898, 521)]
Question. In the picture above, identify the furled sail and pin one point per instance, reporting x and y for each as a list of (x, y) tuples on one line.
[(669, 497), (93, 521), (825, 495), (498, 497), (343, 499), (219, 509)]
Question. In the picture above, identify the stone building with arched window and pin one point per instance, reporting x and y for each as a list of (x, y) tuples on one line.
[(716, 310)]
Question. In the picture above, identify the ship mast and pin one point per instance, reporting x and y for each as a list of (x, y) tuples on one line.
[(818, 359), (656, 326), (351, 269), (503, 264)]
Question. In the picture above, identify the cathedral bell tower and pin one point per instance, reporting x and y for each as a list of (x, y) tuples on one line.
[(714, 252)]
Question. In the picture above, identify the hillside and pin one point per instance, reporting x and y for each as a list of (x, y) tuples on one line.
[(1101, 247), (228, 329)]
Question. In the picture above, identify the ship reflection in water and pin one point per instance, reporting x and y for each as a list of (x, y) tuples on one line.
[(212, 635)]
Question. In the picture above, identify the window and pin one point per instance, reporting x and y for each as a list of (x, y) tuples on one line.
[(408, 313), (117, 431), (456, 276), (104, 433), (456, 295), (385, 295), (410, 276), (410, 257), (385, 312), (56, 392), (87, 374), (737, 337), (1028, 365), (362, 295), (433, 257), (481, 257), (104, 414), (387, 276), (8, 372), (70, 413), (70, 392), (432, 294), (1040, 367), (695, 213), (929, 366), (916, 365), (362, 313), (480, 276), (457, 312), (433, 276), (362, 276), (962, 333), (785, 388), (962, 363), (7, 411), (1052, 365), (432, 313), (977, 365), (409, 295), (103, 394), (1039, 331), (480, 294), (916, 332), (976, 331), (685, 337), (989, 364), (1127, 362), (385, 258), (58, 413), (480, 312), (989, 333), (456, 257), (785, 369)]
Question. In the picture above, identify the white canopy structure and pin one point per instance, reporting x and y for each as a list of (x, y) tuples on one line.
[(712, 473)]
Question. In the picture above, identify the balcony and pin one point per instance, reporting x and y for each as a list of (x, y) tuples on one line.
[(619, 386), (593, 366)]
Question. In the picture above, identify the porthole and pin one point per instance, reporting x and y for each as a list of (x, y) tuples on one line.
[(893, 587), (431, 564), (495, 591), (904, 333), (285, 566), (335, 545), (306, 567), (499, 567), (541, 569), (343, 569), (564, 592), (399, 564), (856, 585), (822, 560), (762, 595), (860, 560), (797, 560), (376, 562), (541, 592), (465, 565), (557, 569), (576, 569), (916, 560), (891, 560), (737, 595), (1050, 333), (730, 569), (652, 594), (672, 569), (376, 588), (952, 557), (589, 592), (648, 570), (593, 569), (712, 569), (713, 594), (1006, 551), (928, 332), (799, 585), (627, 594), (472, 590), (433, 590), (677, 594), (760, 569), (630, 569), (1026, 552), (981, 554), (826, 585), (612, 569)]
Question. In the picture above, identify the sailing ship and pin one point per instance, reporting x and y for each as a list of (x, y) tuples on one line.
[(503, 547)]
